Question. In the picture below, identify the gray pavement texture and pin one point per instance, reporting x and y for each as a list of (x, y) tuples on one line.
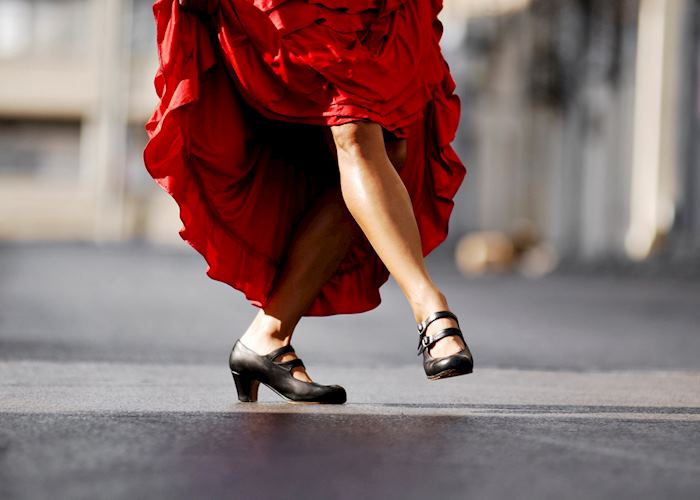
[(114, 384)]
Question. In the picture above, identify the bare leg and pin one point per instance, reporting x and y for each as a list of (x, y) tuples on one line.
[(320, 244), (378, 200)]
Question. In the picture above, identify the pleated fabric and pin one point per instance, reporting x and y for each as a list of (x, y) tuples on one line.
[(245, 88)]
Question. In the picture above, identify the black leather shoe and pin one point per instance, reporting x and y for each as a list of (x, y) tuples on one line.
[(459, 363), (250, 368)]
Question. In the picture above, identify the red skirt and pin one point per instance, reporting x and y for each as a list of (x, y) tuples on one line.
[(236, 138)]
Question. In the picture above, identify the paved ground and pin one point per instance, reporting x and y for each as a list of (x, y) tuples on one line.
[(113, 384)]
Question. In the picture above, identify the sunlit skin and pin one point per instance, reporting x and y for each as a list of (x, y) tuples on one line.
[(371, 198)]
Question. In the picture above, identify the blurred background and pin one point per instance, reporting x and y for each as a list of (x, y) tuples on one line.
[(579, 128), (580, 131)]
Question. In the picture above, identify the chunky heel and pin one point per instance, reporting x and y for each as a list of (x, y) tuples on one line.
[(246, 386)]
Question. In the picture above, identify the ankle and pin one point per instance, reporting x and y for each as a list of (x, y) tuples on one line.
[(265, 332), (427, 303)]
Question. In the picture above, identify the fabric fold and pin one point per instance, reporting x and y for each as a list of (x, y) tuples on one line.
[(236, 137)]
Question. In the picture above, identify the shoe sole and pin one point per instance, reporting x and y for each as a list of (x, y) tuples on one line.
[(290, 401), (451, 372)]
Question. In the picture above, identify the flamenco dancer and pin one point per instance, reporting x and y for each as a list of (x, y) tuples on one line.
[(307, 145)]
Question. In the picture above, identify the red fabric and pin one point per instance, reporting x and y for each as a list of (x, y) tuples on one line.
[(237, 141)]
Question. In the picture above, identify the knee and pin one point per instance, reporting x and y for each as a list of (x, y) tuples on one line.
[(355, 138), (365, 139)]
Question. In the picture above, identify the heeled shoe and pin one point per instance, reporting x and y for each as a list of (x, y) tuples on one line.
[(249, 369), (460, 363)]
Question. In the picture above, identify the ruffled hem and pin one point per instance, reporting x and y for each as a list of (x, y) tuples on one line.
[(214, 148)]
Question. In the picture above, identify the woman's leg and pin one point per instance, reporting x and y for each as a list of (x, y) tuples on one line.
[(378, 200), (320, 244)]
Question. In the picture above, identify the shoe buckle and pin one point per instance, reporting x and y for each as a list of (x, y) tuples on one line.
[(423, 342)]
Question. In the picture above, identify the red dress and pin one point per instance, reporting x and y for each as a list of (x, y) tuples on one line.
[(236, 138)]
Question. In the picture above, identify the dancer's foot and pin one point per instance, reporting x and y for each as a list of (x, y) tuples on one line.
[(446, 346), (434, 300)]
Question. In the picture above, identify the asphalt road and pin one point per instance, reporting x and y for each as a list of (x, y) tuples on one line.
[(113, 384)]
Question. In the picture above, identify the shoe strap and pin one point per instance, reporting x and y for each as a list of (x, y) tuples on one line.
[(279, 351), (291, 363), (422, 326), (436, 315), (424, 341)]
